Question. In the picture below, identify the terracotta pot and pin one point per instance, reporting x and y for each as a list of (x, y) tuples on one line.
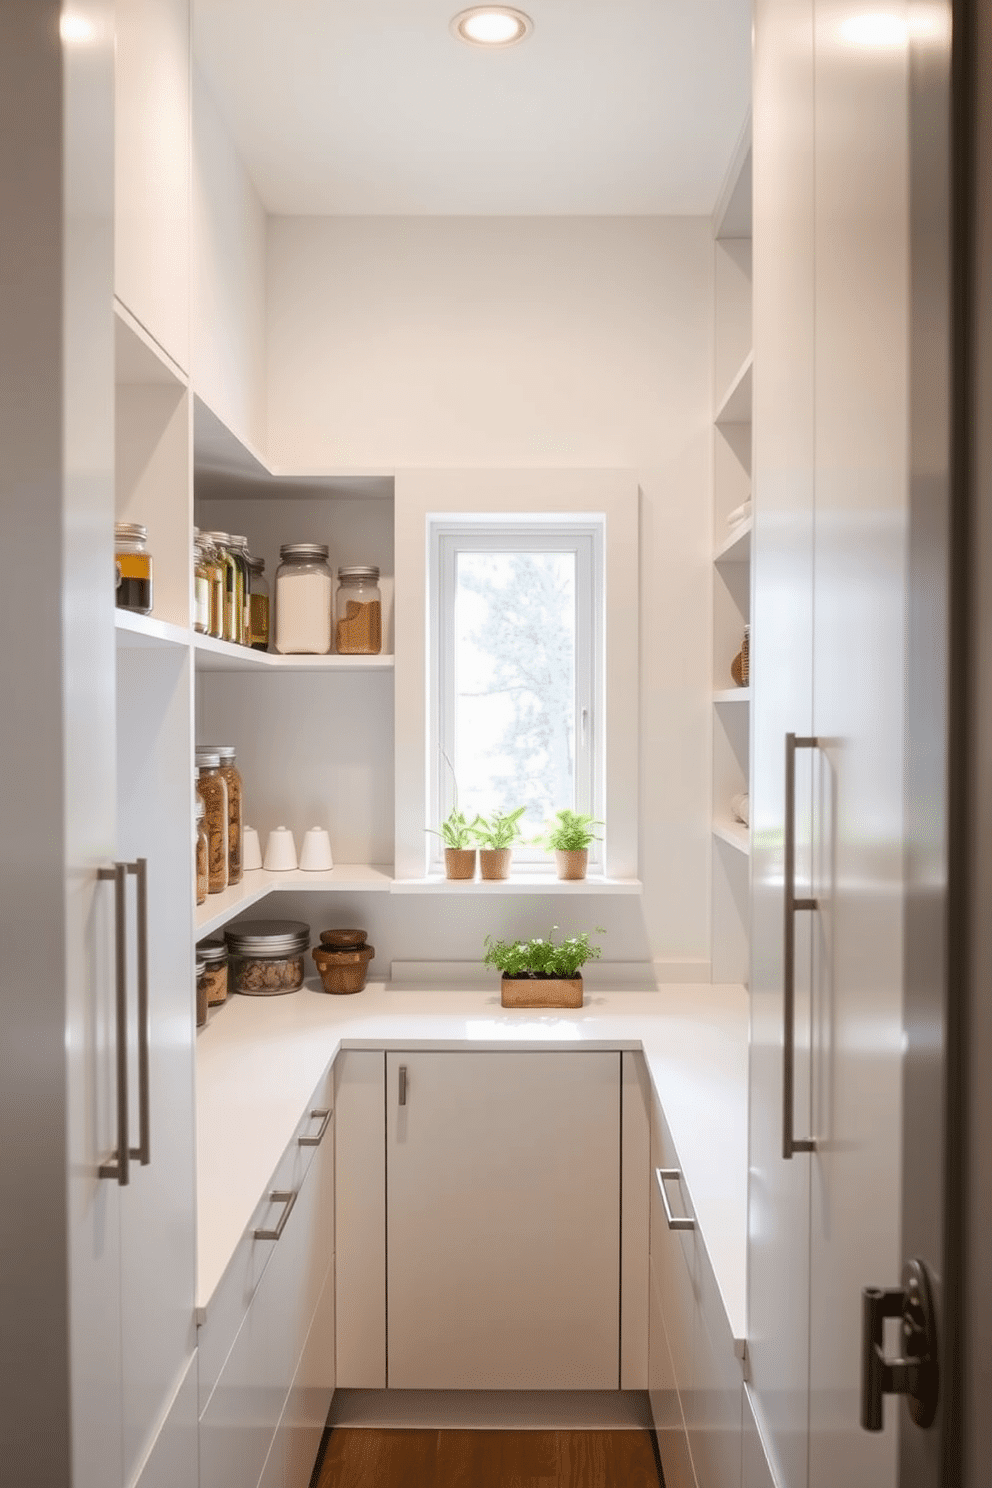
[(459, 862), (537, 992), (572, 865), (494, 862)]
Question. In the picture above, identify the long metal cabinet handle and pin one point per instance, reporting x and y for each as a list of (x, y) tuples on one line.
[(118, 1166), (402, 1084), (143, 1150), (324, 1117), (279, 1196), (790, 1142), (675, 1221)]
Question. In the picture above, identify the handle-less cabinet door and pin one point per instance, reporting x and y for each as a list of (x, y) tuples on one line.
[(503, 1201)]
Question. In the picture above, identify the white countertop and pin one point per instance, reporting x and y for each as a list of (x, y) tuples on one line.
[(260, 1058)]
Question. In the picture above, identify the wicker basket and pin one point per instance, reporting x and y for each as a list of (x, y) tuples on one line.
[(342, 971), (541, 992)]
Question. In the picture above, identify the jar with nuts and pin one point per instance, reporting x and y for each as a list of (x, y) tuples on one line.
[(213, 792)]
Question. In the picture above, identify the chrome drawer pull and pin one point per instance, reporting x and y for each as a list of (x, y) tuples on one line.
[(118, 1166), (324, 1117), (279, 1196), (675, 1221), (791, 1144), (143, 1150)]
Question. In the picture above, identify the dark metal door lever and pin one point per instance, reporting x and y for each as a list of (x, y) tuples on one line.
[(915, 1373)]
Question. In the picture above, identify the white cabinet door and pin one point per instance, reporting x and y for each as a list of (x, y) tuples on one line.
[(666, 1409), (503, 1182)]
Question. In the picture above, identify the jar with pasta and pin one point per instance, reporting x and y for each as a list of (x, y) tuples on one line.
[(213, 791), (358, 611), (202, 853), (235, 810)]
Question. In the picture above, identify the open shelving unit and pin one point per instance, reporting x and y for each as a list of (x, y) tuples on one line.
[(733, 371)]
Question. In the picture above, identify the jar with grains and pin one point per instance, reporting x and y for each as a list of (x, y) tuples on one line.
[(201, 589), (134, 567), (235, 810), (213, 953), (303, 600), (201, 994), (213, 790), (267, 956), (239, 546), (202, 853), (215, 573), (359, 612), (258, 605)]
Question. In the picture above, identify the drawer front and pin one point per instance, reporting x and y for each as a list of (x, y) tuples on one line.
[(245, 1407), (713, 1411), (674, 1261), (230, 1303), (756, 1471), (666, 1411), (310, 1396)]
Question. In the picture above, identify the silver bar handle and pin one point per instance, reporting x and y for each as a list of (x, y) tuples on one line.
[(279, 1196), (118, 1166), (324, 1117), (402, 1084), (675, 1221), (143, 1150), (791, 1144)]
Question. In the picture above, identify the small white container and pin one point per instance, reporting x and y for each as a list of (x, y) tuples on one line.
[(251, 850), (315, 856), (280, 851)]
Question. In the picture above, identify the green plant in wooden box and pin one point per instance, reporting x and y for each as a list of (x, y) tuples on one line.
[(541, 972)]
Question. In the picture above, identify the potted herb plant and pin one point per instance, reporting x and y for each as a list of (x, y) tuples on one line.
[(539, 972), (568, 836), (458, 834), (496, 835)]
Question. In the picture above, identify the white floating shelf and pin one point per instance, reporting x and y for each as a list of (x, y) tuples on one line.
[(735, 834), (356, 878), (735, 407), (518, 883), (733, 695), (138, 631), (736, 546), (223, 656)]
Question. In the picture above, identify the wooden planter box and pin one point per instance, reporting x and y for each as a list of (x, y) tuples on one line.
[(541, 992)]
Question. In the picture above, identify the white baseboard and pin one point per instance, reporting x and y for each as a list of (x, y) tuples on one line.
[(493, 1410)]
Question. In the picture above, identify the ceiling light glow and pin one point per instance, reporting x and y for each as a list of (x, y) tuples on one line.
[(879, 31), (75, 28), (491, 26)]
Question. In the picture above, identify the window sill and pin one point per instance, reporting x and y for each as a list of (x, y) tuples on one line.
[(518, 883)]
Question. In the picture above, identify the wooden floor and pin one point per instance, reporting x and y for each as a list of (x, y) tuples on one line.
[(364, 1458)]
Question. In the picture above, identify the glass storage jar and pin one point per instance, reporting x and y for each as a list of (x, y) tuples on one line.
[(233, 592), (212, 788), (213, 953), (201, 589), (258, 605), (134, 567), (239, 546), (267, 956), (202, 853), (201, 994), (215, 572), (358, 611), (303, 600), (235, 810)]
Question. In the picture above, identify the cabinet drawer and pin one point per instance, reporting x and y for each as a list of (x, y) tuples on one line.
[(310, 1397), (230, 1303), (674, 1260), (666, 1411)]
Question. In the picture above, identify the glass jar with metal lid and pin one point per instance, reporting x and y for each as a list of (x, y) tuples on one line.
[(303, 600), (212, 787), (358, 611), (201, 993), (213, 954), (202, 852), (201, 587), (233, 585), (258, 605), (235, 810), (239, 547), (134, 567), (215, 573), (267, 956)]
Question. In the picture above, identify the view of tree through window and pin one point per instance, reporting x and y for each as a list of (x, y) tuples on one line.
[(514, 654)]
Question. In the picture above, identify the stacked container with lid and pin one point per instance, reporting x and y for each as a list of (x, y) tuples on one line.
[(303, 600), (212, 788), (134, 567), (359, 612), (267, 956)]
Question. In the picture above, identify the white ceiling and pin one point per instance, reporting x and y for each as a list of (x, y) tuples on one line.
[(372, 107)]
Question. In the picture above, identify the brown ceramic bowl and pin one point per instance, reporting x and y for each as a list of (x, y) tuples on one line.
[(344, 940), (342, 971)]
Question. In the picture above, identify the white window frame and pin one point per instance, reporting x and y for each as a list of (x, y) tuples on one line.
[(582, 534)]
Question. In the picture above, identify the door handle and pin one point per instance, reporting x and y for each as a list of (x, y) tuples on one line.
[(143, 1150), (402, 1084), (790, 1143), (675, 1221), (118, 1165), (324, 1117), (279, 1196), (916, 1373)]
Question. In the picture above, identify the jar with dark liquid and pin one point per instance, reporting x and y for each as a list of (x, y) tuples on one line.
[(134, 567)]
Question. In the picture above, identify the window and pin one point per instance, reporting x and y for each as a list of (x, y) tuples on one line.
[(517, 609)]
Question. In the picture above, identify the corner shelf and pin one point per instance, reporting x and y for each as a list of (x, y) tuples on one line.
[(733, 695), (735, 406), (736, 546), (524, 883), (735, 834), (223, 656), (259, 883)]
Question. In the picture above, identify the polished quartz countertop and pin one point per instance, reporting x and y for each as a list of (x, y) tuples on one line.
[(260, 1059)]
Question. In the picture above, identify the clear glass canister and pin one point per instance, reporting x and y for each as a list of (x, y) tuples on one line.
[(134, 567), (213, 953), (202, 852), (303, 600), (215, 573), (267, 956), (201, 589), (258, 605), (201, 994), (233, 585), (213, 790), (239, 547), (358, 612), (235, 810)]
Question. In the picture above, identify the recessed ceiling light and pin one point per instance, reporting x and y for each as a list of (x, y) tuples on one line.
[(491, 25)]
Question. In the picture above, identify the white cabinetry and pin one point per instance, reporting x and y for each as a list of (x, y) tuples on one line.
[(503, 1198)]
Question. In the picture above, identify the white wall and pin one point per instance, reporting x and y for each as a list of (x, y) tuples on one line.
[(228, 276), (543, 343)]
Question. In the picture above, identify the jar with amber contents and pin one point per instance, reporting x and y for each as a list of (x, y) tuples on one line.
[(258, 605), (215, 575), (235, 810), (213, 953), (202, 853), (134, 567), (358, 610), (213, 790)]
